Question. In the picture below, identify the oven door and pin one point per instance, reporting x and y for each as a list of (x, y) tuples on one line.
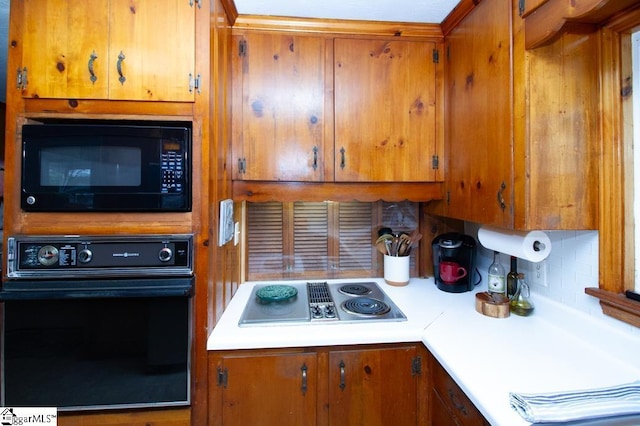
[(97, 344)]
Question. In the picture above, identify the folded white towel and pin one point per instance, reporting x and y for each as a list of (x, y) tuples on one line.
[(579, 404)]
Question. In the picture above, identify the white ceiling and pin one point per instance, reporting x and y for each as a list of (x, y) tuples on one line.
[(422, 11)]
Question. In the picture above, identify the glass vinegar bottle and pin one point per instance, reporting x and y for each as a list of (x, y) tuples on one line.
[(496, 276), (521, 302)]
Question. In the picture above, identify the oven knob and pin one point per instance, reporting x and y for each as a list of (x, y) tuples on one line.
[(48, 255), (85, 256), (165, 254)]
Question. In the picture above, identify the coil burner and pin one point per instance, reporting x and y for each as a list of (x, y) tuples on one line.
[(355, 289), (365, 306)]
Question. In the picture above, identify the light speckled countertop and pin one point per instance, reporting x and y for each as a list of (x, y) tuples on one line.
[(555, 349)]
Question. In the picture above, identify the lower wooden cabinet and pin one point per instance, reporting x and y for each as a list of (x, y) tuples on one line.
[(374, 386), (391, 384), (269, 388), (449, 405), (349, 385)]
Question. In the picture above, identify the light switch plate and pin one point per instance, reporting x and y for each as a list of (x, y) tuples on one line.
[(226, 231)]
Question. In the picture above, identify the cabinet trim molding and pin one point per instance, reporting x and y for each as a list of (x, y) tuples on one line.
[(337, 26), (260, 191)]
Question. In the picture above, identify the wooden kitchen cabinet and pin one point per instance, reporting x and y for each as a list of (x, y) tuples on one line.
[(374, 386), (270, 388), (108, 49), (522, 127), (449, 404), (322, 109), (385, 111), (367, 384), (279, 117)]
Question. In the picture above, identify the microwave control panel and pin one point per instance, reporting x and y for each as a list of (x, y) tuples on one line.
[(172, 168)]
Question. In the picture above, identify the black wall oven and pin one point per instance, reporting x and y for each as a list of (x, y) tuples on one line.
[(97, 322)]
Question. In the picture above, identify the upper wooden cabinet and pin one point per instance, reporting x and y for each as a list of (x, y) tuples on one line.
[(385, 111), (522, 125), (109, 49), (279, 115), (318, 109)]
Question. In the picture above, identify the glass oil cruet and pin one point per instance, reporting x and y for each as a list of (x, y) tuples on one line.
[(521, 301)]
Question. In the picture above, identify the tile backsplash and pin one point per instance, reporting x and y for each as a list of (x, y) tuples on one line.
[(570, 268)]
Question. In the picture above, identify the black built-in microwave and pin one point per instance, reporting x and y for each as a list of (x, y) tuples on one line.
[(102, 166)]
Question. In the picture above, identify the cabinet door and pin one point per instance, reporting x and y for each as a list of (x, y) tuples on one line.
[(479, 141), (447, 397), (279, 389), (152, 50), (385, 110), (280, 112), (373, 387), (59, 39)]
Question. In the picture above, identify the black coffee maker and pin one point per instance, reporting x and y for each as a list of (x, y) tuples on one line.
[(454, 262)]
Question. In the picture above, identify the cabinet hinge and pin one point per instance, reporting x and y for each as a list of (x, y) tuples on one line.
[(242, 166), (242, 48), (416, 366), (436, 56), (21, 79), (194, 83), (521, 6), (223, 376), (435, 162)]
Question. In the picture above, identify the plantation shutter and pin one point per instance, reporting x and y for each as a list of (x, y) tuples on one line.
[(402, 217), (355, 238), (310, 238), (265, 241), (320, 240)]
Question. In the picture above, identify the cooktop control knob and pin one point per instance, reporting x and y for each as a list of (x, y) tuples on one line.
[(85, 255), (48, 255), (165, 254), (330, 312)]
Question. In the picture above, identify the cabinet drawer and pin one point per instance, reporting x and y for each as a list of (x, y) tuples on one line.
[(455, 400)]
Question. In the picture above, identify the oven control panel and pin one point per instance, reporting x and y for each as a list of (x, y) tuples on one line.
[(99, 256)]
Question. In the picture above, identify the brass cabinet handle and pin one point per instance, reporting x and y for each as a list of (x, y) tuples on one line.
[(92, 59), (342, 379), (122, 78), (501, 197), (303, 387), (315, 158)]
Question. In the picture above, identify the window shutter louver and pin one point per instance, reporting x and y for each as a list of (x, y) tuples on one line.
[(355, 236), (310, 237), (265, 225)]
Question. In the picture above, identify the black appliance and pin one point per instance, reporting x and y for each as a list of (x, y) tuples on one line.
[(455, 249), (101, 166), (109, 336)]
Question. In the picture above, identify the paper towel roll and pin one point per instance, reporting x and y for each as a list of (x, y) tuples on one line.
[(533, 246)]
